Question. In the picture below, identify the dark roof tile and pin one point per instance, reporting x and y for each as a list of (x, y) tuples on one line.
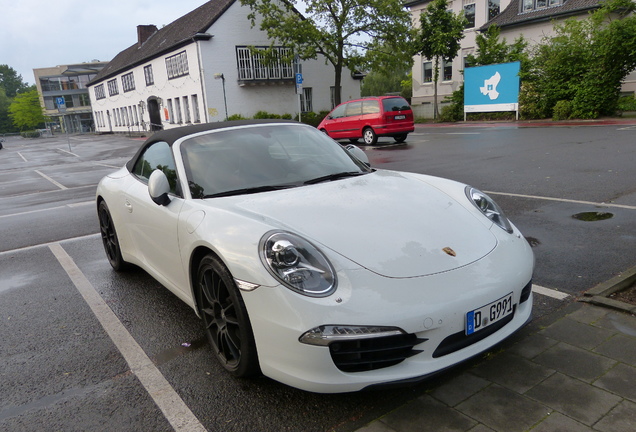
[(166, 39), (512, 16)]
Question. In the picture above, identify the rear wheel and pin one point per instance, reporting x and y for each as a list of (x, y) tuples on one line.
[(225, 318), (109, 239), (400, 138), (369, 136)]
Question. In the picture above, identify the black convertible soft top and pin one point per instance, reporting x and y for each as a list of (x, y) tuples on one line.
[(171, 135)]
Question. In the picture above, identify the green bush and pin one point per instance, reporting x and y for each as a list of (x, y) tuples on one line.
[(30, 134), (236, 117), (627, 103), (266, 115), (562, 110)]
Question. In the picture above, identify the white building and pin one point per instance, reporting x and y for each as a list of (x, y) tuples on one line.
[(167, 79), (533, 19)]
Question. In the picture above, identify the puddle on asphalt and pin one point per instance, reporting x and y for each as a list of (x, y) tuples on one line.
[(172, 353), (593, 216)]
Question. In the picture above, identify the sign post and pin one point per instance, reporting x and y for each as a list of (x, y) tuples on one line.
[(299, 91), (61, 107)]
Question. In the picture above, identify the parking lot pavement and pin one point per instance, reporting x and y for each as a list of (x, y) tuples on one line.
[(573, 370)]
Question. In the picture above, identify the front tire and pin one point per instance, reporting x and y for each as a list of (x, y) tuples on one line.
[(225, 318), (369, 136), (109, 239)]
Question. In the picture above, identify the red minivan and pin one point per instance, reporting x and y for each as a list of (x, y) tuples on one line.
[(370, 118)]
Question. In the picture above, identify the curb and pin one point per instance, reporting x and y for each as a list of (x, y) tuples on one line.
[(599, 295)]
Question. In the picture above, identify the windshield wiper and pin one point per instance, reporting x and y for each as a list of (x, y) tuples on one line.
[(249, 190), (335, 176)]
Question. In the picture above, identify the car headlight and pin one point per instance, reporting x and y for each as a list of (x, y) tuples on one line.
[(489, 208), (297, 264)]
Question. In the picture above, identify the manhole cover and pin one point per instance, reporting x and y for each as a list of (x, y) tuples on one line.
[(593, 216)]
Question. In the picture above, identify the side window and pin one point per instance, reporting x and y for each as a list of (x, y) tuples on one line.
[(339, 112), (370, 107), (354, 108), (157, 156)]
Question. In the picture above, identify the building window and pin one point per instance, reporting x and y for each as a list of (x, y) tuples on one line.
[(195, 109), (177, 110), (427, 70), (135, 113), (170, 111), (177, 65), (469, 14), (531, 5), (493, 9), (447, 70), (113, 89), (253, 65), (186, 109), (150, 79), (84, 100), (128, 82), (306, 104), (99, 92)]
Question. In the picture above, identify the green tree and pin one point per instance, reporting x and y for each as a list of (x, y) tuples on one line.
[(491, 50), (439, 38), (353, 34), (585, 62), (383, 82), (25, 110), (6, 125), (11, 81)]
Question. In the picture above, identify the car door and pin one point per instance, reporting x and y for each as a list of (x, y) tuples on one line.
[(154, 228), (334, 124)]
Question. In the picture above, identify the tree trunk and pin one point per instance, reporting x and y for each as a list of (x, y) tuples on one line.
[(337, 94)]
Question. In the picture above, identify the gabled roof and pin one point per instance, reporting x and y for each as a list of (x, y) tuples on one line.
[(513, 15), (176, 34)]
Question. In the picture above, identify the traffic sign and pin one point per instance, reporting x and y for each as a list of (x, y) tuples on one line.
[(299, 83)]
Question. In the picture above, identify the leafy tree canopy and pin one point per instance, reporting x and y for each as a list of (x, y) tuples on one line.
[(11, 81), (353, 34), (439, 37), (25, 110)]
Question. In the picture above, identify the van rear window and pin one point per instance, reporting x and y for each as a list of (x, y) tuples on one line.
[(395, 104)]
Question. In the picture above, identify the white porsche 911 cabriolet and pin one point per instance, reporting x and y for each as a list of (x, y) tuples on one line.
[(308, 265)]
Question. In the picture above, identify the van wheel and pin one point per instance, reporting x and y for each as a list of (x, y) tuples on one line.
[(324, 131), (400, 138), (369, 136)]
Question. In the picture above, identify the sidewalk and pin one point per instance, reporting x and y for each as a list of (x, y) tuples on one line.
[(573, 370)]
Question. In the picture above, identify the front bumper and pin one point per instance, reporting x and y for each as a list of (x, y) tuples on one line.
[(432, 308)]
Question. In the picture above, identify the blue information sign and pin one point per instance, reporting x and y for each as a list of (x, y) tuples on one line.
[(492, 88)]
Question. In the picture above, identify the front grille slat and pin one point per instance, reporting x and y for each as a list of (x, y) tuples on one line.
[(375, 353)]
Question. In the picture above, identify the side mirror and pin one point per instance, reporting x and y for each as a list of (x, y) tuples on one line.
[(158, 187), (358, 153)]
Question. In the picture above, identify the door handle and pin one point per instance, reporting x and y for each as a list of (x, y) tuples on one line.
[(128, 206)]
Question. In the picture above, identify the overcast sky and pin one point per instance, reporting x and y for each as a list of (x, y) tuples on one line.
[(38, 33)]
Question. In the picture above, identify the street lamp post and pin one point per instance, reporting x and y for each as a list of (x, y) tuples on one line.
[(222, 78)]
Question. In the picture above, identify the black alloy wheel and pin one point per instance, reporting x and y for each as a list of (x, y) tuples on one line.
[(369, 136), (400, 138), (109, 239), (225, 318)]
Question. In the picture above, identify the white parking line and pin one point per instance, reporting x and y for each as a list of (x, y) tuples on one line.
[(68, 152), (173, 407), (23, 158), (549, 292), (61, 186), (596, 204)]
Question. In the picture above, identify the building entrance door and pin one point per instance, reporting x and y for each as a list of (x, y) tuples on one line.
[(154, 114)]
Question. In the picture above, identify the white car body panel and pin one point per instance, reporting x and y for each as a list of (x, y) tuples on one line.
[(383, 232)]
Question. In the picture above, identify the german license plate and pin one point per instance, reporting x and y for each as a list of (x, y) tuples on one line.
[(400, 117), (487, 315)]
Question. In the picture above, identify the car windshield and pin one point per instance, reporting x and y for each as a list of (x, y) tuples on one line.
[(261, 158)]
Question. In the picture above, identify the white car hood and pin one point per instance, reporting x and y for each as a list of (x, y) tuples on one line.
[(393, 224)]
